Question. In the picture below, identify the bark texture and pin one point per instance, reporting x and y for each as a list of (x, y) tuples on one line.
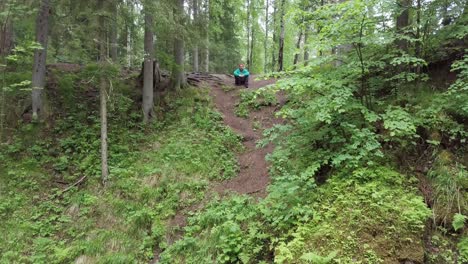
[(306, 49), (113, 34), (103, 95), (6, 37), (40, 55), (196, 25), (178, 72), (206, 57), (148, 78), (281, 40), (298, 46)]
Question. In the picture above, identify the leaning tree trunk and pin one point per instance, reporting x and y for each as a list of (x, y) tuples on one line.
[(178, 73), (148, 75), (103, 94), (281, 40), (40, 55)]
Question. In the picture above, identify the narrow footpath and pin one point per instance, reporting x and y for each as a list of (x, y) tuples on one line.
[(253, 174)]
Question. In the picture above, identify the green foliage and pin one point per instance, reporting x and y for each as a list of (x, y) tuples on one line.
[(251, 100), (154, 172), (458, 221), (400, 125), (225, 232), (458, 92), (449, 180), (300, 223), (463, 248), (350, 207)]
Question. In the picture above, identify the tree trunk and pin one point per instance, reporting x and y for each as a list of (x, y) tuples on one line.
[(402, 22), (113, 34), (129, 36), (418, 30), (148, 74), (6, 35), (195, 45), (306, 49), (281, 40), (298, 46), (273, 57), (103, 94), (178, 74), (206, 55), (252, 42), (265, 44), (40, 56), (248, 33)]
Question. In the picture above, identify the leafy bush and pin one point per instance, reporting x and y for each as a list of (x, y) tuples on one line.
[(254, 99)]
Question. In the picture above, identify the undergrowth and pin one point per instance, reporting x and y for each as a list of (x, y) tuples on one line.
[(251, 100), (154, 172)]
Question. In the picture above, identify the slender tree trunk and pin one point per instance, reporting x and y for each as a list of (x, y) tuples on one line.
[(281, 40), (319, 29), (252, 42), (2, 100), (273, 50), (129, 36), (195, 45), (40, 56), (113, 34), (5, 47), (306, 49), (103, 95), (265, 44), (148, 74), (418, 35), (6, 34), (206, 48), (298, 46), (178, 73), (248, 33)]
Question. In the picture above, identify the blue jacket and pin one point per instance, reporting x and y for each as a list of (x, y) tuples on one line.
[(238, 72)]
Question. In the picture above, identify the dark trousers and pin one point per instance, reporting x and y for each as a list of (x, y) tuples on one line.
[(242, 80)]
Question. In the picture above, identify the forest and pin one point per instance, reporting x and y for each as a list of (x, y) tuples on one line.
[(124, 137)]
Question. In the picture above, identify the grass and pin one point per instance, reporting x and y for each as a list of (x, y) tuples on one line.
[(154, 172)]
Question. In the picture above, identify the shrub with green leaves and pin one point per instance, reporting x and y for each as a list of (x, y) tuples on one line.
[(251, 100)]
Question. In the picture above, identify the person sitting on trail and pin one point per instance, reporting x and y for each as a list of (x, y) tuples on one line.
[(242, 76)]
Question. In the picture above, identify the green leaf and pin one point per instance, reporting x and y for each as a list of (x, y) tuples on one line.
[(458, 221)]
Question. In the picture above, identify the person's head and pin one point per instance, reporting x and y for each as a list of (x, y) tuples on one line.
[(241, 67)]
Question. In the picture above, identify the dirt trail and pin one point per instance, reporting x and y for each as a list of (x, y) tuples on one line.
[(253, 175), (252, 178)]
